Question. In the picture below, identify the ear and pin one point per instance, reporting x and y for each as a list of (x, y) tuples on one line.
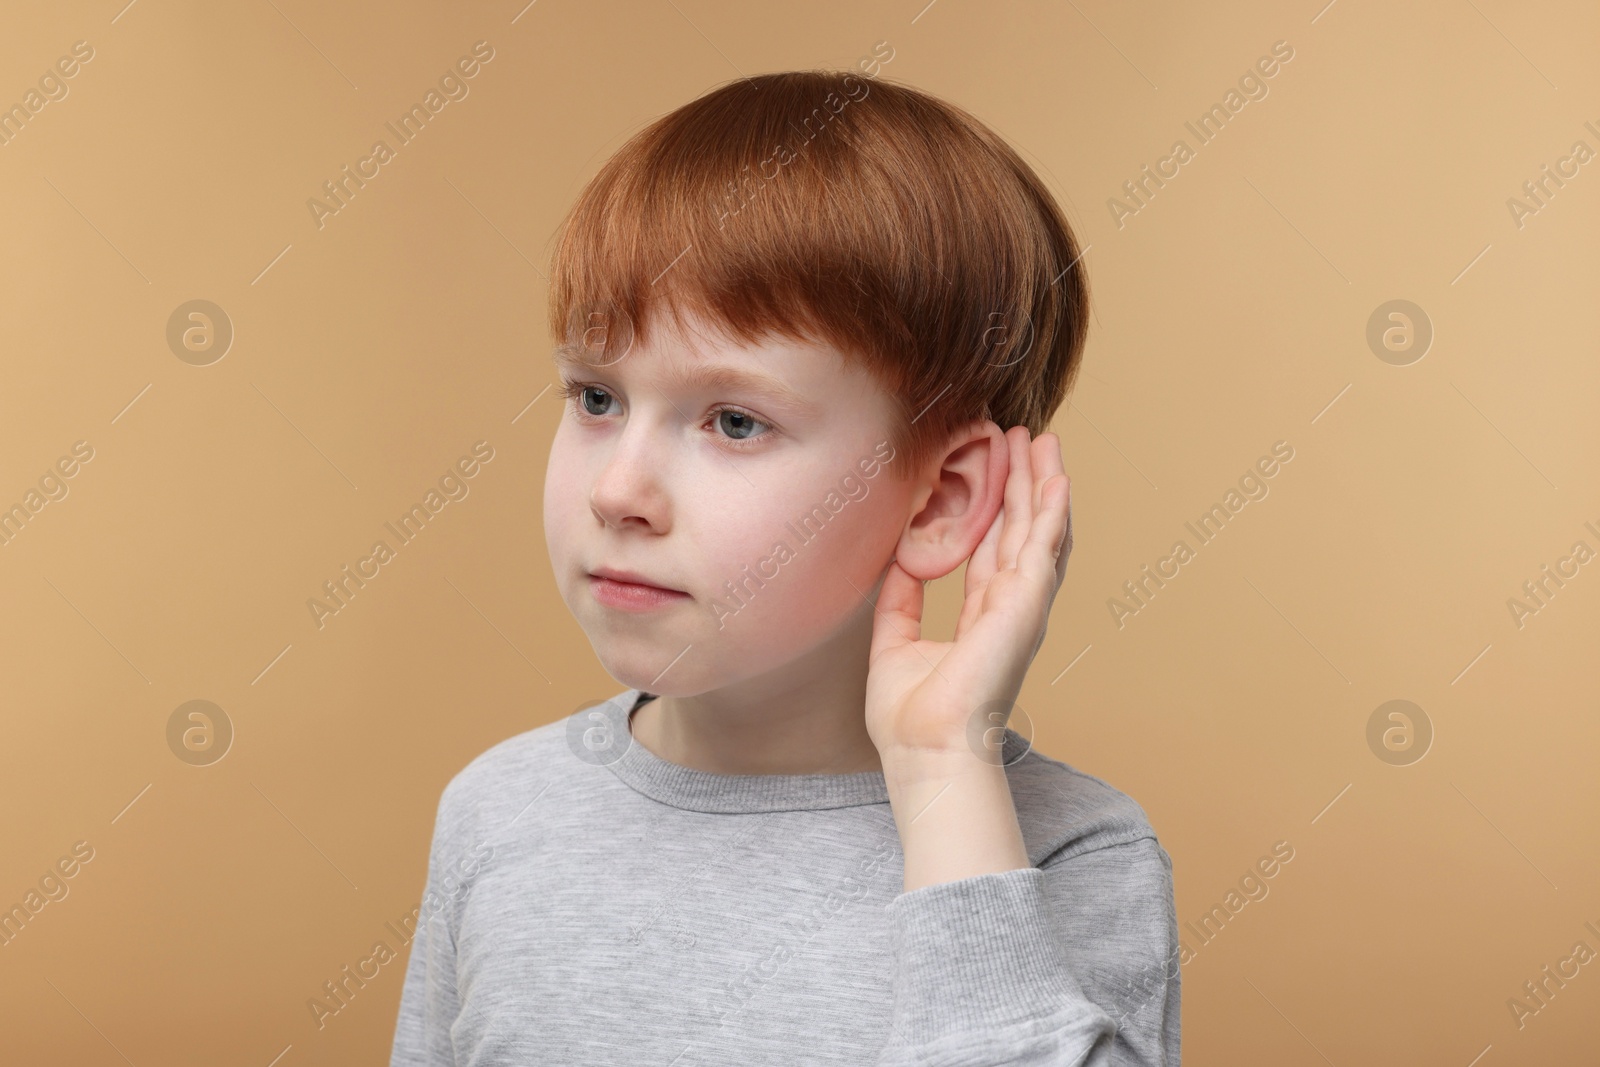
[(955, 501)]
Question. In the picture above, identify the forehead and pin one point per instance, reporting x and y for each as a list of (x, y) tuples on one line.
[(688, 336), (806, 375)]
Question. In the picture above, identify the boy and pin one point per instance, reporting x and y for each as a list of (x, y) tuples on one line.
[(796, 314)]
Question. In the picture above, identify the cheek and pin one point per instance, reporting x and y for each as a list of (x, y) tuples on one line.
[(827, 571), (562, 495)]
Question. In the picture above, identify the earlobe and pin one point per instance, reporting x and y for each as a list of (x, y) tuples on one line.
[(964, 490)]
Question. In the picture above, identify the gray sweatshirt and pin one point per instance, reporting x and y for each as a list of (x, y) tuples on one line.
[(588, 902)]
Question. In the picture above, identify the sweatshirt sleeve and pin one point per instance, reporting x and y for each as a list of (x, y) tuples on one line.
[(428, 1000), (1071, 963)]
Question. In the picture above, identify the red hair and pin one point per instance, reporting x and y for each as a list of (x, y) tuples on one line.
[(864, 215)]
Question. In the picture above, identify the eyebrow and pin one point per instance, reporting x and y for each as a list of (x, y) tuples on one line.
[(707, 377)]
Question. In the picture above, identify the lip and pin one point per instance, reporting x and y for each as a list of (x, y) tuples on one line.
[(630, 578), (627, 591)]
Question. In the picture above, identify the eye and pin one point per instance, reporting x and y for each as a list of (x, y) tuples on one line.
[(588, 394), (739, 425), (737, 428), (583, 395)]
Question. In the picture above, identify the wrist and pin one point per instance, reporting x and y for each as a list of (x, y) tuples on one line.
[(956, 819), (913, 766)]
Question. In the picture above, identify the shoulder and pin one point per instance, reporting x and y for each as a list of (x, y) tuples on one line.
[(541, 764), (1065, 812), (508, 761)]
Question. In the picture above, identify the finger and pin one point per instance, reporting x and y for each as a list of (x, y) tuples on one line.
[(897, 620), (981, 567), (1043, 557), (1064, 548), (1046, 457), (1047, 463), (1066, 538), (1019, 498)]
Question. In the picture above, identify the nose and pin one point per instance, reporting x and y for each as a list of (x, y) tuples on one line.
[(629, 489)]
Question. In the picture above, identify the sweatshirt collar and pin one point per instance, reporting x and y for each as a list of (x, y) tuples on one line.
[(730, 794)]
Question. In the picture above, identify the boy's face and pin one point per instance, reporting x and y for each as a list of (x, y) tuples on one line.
[(691, 483)]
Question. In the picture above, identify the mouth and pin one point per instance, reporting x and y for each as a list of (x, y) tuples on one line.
[(627, 591)]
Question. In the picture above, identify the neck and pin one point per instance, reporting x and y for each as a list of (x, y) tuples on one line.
[(806, 717)]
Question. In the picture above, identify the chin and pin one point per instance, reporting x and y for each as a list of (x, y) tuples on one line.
[(638, 665)]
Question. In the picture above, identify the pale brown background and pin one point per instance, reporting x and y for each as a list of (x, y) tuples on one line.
[(1228, 314)]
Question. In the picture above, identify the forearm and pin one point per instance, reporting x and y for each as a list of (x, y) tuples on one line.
[(955, 816)]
